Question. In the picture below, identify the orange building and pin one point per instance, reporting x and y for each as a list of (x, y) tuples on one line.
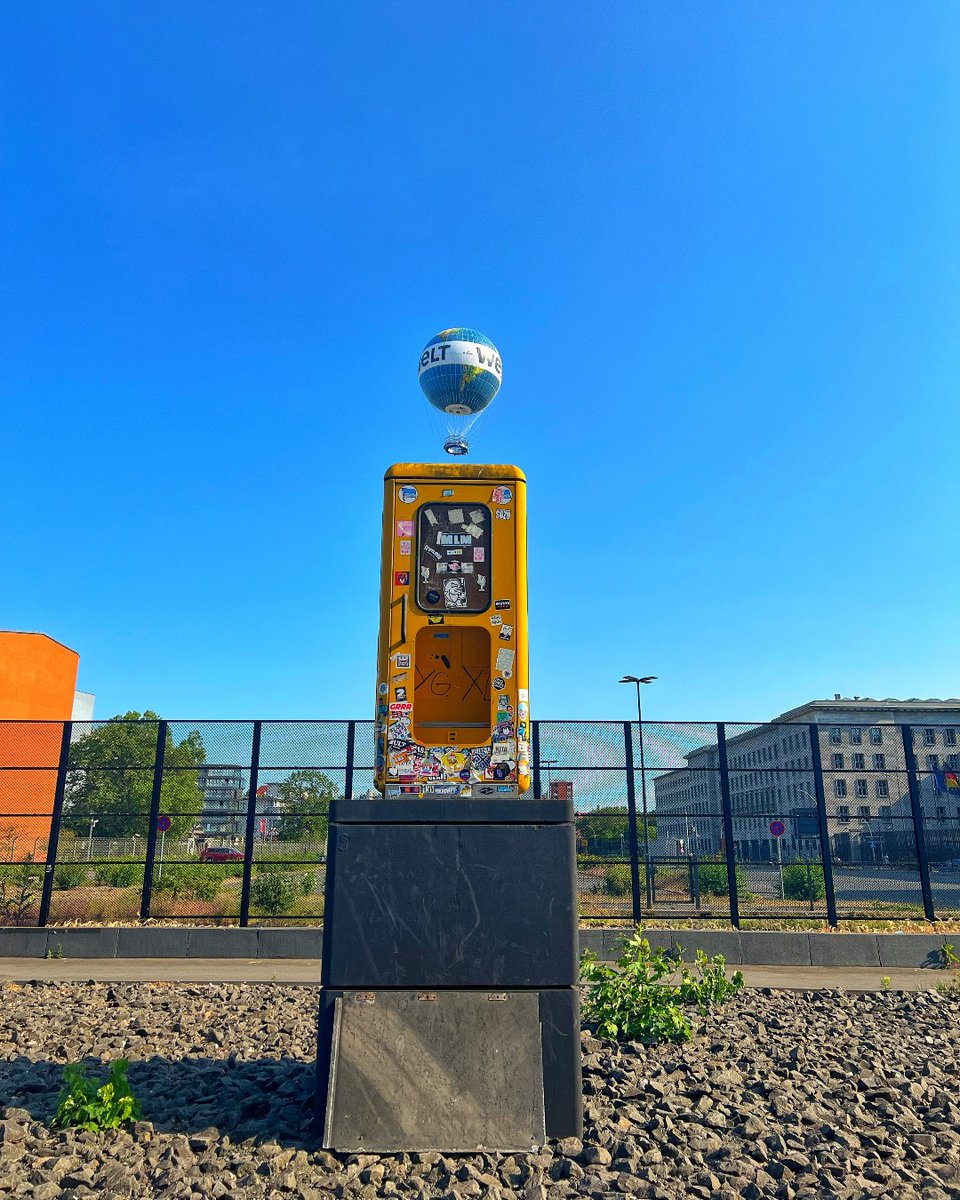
[(38, 679)]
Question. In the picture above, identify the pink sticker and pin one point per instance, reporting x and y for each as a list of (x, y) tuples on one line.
[(478, 553), (404, 529), (405, 548)]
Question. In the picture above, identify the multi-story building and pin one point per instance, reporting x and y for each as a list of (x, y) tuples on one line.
[(866, 792), (223, 815)]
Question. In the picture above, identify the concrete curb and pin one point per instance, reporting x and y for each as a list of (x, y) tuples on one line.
[(738, 948)]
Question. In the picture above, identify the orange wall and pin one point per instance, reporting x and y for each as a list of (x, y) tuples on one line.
[(38, 678)]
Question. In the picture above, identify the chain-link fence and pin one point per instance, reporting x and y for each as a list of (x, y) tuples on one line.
[(226, 821)]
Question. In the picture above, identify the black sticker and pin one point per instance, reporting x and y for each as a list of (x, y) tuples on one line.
[(501, 604)]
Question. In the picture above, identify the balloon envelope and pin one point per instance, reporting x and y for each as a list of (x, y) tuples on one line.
[(460, 373)]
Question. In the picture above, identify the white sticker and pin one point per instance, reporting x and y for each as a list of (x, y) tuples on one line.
[(496, 619), (506, 633), (401, 661), (404, 547), (482, 583), (477, 515), (502, 514), (467, 568), (428, 513), (473, 530), (523, 694), (505, 659), (456, 516), (407, 494)]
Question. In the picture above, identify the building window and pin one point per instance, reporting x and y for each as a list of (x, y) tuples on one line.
[(840, 788), (929, 737), (854, 735), (953, 762), (881, 788), (879, 762), (863, 812), (885, 812), (861, 788), (838, 762), (949, 737), (859, 762), (876, 736), (835, 736), (941, 812), (843, 812), (933, 763)]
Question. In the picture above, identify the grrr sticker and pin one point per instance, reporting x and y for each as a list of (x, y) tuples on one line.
[(382, 689), (401, 578), (405, 548), (499, 684), (505, 659), (502, 514), (401, 693), (478, 553), (506, 632), (401, 661), (404, 529), (496, 619), (501, 495), (504, 604), (407, 494)]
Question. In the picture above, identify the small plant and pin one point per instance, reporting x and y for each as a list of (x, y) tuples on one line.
[(70, 875), (885, 983), (644, 996), (119, 874), (51, 954), (950, 959), (803, 881), (83, 1104), (19, 891), (272, 892), (949, 989), (616, 880)]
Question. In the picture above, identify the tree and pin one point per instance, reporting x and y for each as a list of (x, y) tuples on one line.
[(610, 823), (305, 804), (111, 778)]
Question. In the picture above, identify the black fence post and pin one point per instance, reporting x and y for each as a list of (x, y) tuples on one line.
[(726, 807), (632, 831), (535, 739), (56, 817), (348, 773), (251, 825), (826, 857), (916, 809), (158, 758)]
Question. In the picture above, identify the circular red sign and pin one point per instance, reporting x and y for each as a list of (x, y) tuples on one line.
[(777, 828)]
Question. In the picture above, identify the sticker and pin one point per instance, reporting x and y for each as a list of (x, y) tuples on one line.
[(425, 574), (501, 604), (506, 633), (407, 494), (457, 553), (507, 673), (400, 678), (502, 770), (435, 619), (478, 554), (455, 593), (401, 660), (523, 694), (430, 550), (524, 769), (505, 659), (502, 514), (454, 566), (466, 568), (500, 788), (403, 706), (401, 693), (454, 539), (482, 583), (404, 529), (442, 568), (433, 596), (465, 775), (496, 619), (455, 516), (401, 578), (392, 789), (447, 492), (477, 515), (499, 684), (503, 752), (501, 495), (428, 513), (473, 530), (382, 689), (405, 548)]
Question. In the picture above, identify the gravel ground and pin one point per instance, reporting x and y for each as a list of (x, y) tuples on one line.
[(781, 1094)]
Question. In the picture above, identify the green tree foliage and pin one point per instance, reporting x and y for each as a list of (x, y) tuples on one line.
[(610, 823), (111, 778), (305, 803), (803, 881)]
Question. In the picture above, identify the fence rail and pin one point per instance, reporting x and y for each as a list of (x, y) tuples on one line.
[(226, 821)]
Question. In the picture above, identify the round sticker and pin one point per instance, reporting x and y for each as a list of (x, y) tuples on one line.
[(499, 684), (407, 494), (382, 689)]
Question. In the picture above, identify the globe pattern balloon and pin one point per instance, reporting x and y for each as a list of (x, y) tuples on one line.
[(460, 373)]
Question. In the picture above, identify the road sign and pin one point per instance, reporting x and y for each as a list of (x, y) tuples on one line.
[(163, 824), (778, 829)]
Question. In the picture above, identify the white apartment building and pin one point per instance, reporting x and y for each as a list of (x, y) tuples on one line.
[(771, 774)]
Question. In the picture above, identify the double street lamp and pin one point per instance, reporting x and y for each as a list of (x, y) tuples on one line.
[(638, 680)]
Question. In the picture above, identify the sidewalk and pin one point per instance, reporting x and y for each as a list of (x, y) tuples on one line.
[(307, 970)]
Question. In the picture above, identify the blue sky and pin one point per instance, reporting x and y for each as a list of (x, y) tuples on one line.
[(716, 246)]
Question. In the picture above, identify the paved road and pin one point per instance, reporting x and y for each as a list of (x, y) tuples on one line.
[(307, 970)]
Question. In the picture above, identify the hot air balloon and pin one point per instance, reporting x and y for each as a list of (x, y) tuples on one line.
[(460, 373)]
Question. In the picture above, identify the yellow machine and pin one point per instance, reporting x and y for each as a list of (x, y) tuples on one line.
[(453, 712)]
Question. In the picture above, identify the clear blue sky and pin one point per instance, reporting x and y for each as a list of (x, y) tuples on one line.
[(716, 245)]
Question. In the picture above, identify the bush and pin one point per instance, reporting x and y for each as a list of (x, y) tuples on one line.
[(119, 874), (201, 883), (272, 892), (646, 996), (713, 878), (803, 881), (69, 875), (616, 880)]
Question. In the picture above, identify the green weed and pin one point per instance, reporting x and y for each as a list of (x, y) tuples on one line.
[(83, 1104)]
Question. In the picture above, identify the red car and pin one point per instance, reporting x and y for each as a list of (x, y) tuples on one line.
[(220, 854)]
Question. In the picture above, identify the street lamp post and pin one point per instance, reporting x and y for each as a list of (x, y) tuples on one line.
[(94, 821), (638, 680), (547, 764)]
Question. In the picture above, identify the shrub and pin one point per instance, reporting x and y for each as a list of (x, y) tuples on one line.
[(182, 880), (616, 880), (803, 881), (712, 875), (272, 892), (69, 875), (119, 874), (82, 1103), (646, 995), (20, 886)]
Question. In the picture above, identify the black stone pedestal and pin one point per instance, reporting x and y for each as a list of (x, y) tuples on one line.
[(468, 908)]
